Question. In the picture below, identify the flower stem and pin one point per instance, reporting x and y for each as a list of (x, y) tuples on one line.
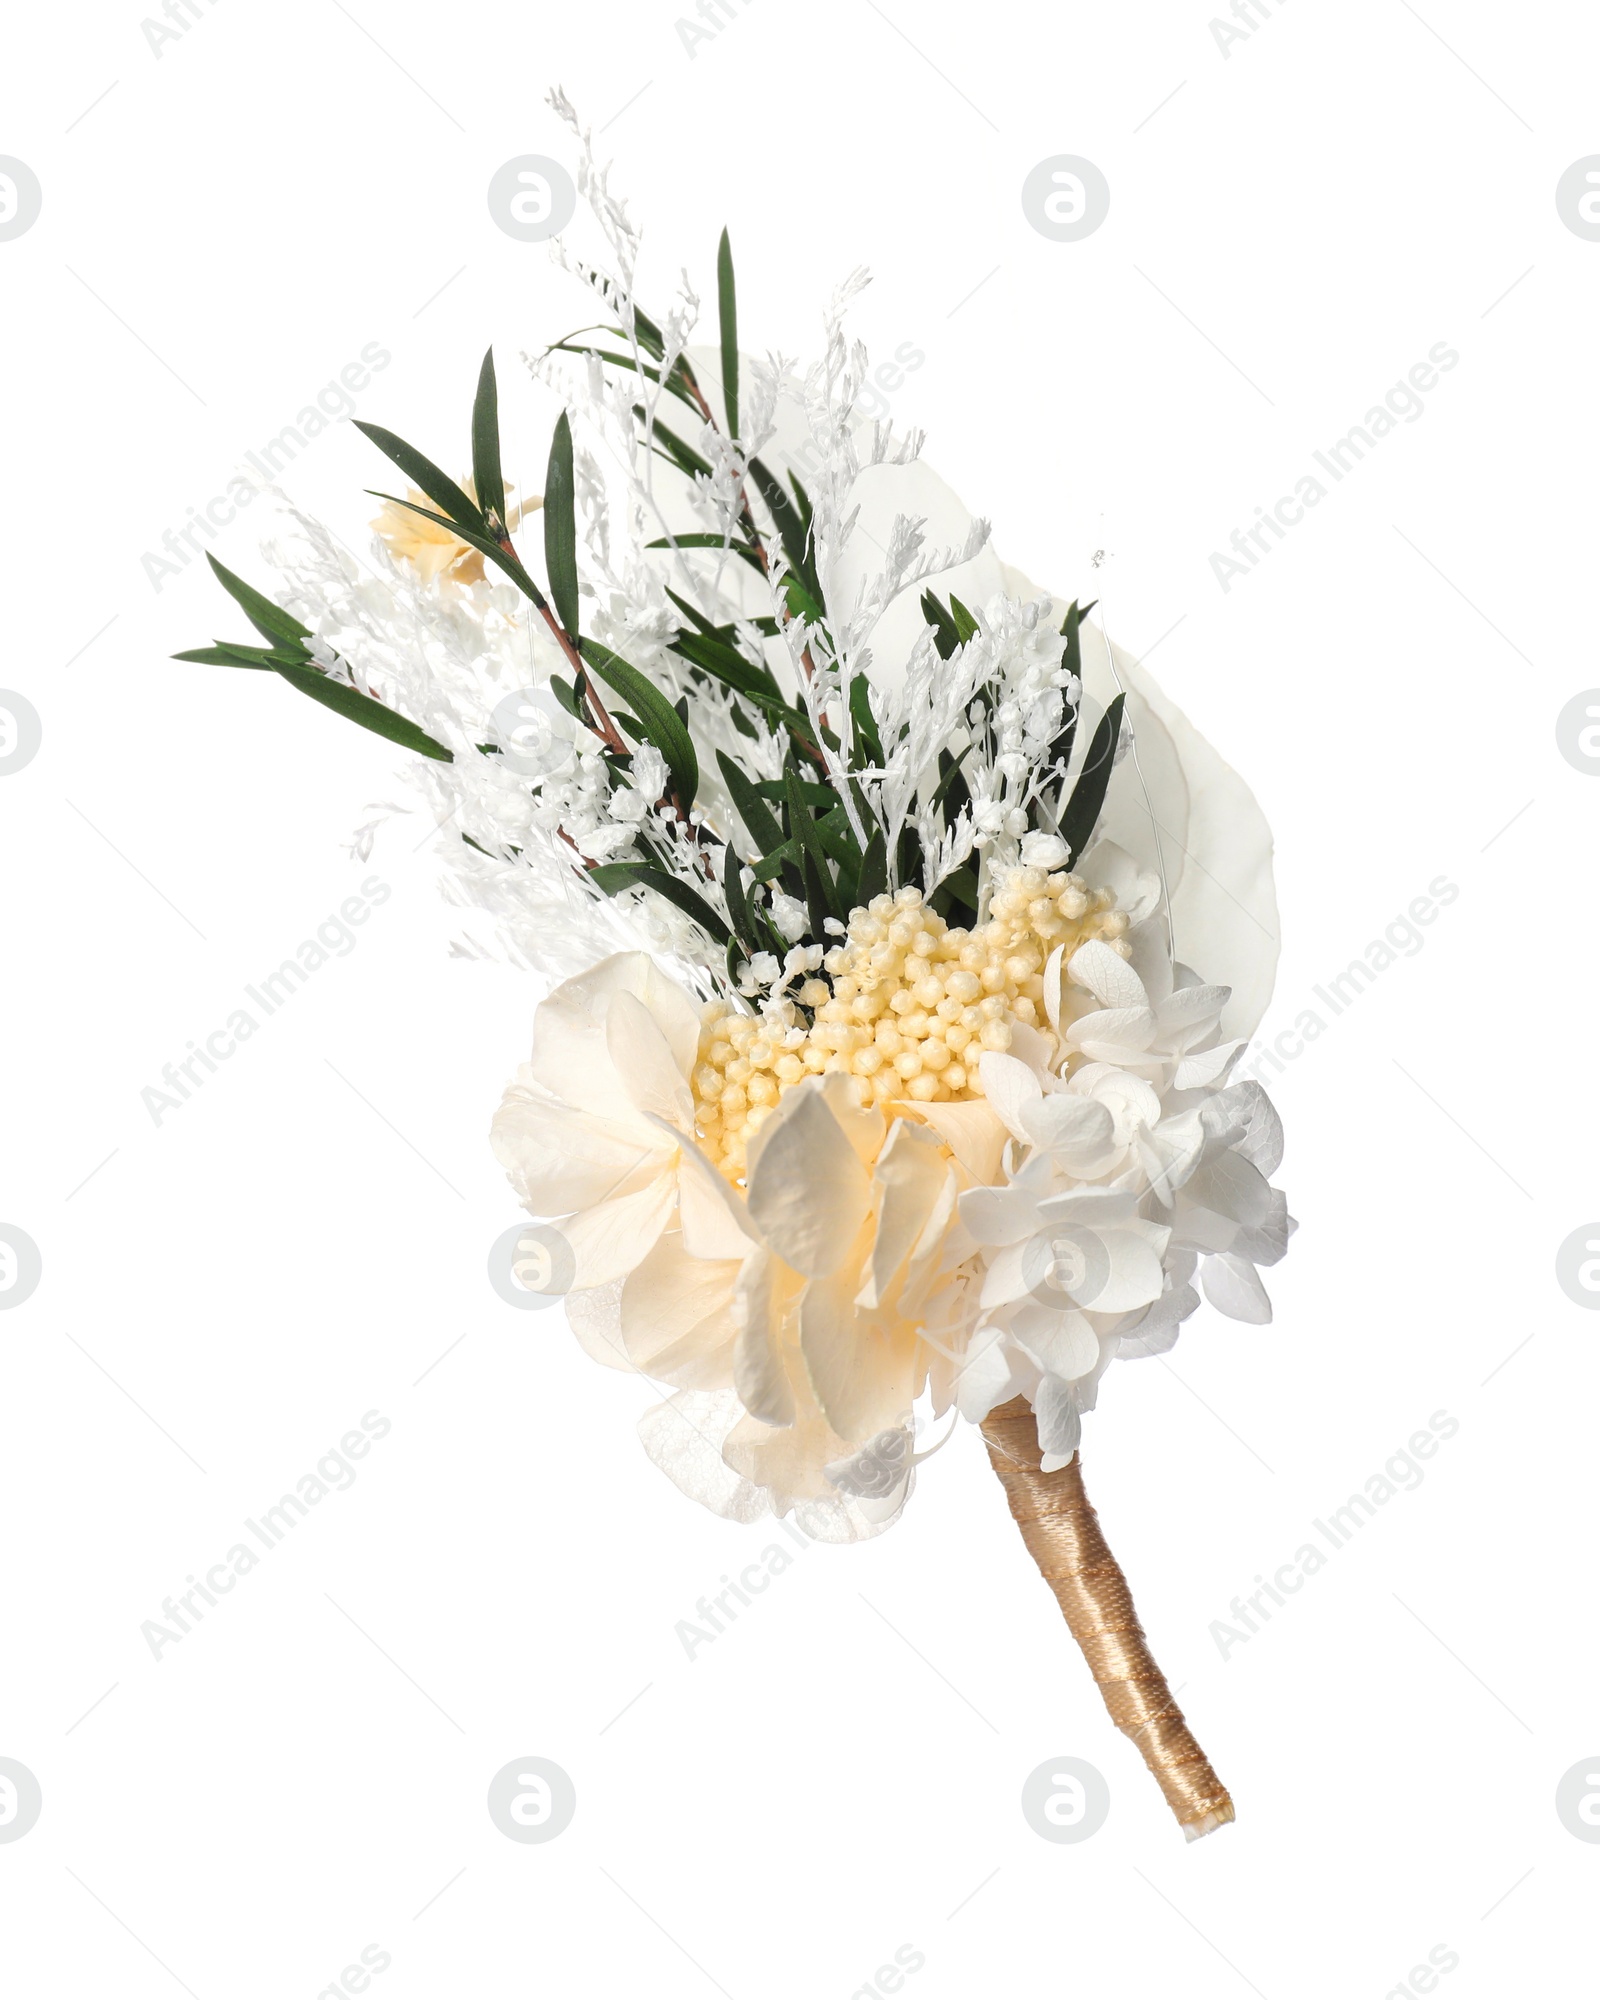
[(1063, 1536)]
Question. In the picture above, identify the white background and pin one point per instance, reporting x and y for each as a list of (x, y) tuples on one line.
[(1293, 225)]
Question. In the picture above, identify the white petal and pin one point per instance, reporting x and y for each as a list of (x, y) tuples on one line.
[(1008, 1087), (911, 1175), (972, 1131), (1233, 1286), (685, 1435), (569, 1029), (1076, 1129), (985, 1378), (712, 1215), (559, 1159), (1135, 1276), (808, 1191), (1063, 1343), (758, 1371), (1107, 975), (997, 1216), (1206, 1067), (614, 1237), (1059, 1422), (677, 1318), (643, 1061)]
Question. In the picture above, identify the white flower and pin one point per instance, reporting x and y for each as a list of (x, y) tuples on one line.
[(598, 1127)]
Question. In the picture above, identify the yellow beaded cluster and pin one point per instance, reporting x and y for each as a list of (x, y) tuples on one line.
[(911, 1006)]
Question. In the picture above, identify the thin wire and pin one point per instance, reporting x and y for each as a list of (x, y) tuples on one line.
[(1149, 803)]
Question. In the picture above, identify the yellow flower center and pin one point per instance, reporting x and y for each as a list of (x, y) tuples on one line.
[(912, 1006)]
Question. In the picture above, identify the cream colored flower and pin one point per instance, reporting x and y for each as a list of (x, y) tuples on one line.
[(598, 1127), (819, 1332), (435, 551)]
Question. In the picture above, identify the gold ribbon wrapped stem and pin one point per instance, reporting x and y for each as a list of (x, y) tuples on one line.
[(1063, 1536)]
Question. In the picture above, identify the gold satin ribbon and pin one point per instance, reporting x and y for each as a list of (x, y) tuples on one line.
[(1063, 1536)]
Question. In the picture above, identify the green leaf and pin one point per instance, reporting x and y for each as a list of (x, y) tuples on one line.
[(683, 456), (760, 822), (440, 488), (486, 474), (223, 655), (802, 604), (705, 541), (662, 724), (362, 709), (791, 530), (269, 619), (951, 784), (966, 625), (862, 716), (874, 877), (561, 530), (945, 636), (819, 902), (784, 856), (675, 383), (1082, 810), (820, 899), (615, 875), (728, 320), (734, 896), (567, 695), (489, 549)]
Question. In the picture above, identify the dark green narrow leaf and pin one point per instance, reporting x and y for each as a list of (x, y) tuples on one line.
[(966, 625), (1089, 793), (780, 861), (956, 898), (734, 896), (819, 905), (707, 541), (567, 695), (684, 456), (874, 877), (269, 619), (760, 822), (908, 855), (728, 320), (951, 785), (360, 708), (1060, 752), (791, 528), (561, 530), (615, 875), (820, 899), (440, 488), (945, 636), (224, 655), (486, 474), (861, 714), (660, 722)]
